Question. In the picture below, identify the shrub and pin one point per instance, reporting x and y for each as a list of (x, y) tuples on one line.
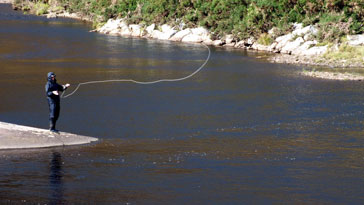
[(41, 8), (265, 39)]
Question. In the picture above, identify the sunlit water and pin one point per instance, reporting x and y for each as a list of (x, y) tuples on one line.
[(241, 131)]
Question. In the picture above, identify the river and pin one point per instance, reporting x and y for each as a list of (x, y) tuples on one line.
[(242, 131)]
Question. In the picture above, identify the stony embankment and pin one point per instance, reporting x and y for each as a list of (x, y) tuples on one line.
[(297, 47), (6, 1)]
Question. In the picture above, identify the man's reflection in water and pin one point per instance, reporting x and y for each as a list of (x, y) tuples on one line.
[(55, 179)]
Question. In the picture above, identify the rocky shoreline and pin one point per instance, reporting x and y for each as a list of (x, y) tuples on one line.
[(6, 1), (297, 47)]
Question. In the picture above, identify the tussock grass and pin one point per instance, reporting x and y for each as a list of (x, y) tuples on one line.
[(346, 52)]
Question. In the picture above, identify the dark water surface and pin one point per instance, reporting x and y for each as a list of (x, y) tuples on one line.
[(241, 131)]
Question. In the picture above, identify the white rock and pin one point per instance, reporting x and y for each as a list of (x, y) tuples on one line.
[(260, 47), (200, 31), (51, 15), (217, 42), (180, 35), (250, 41), (297, 26), (230, 44), (229, 39), (317, 50), (192, 38), (112, 26), (305, 30), (125, 31), (355, 40), (136, 30), (166, 28), (291, 46), (156, 34), (150, 29), (304, 47), (283, 40), (167, 31), (208, 41), (240, 44)]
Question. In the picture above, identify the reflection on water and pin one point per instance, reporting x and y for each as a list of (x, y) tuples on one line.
[(55, 179), (241, 131)]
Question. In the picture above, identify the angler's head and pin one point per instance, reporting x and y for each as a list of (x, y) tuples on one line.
[(51, 76)]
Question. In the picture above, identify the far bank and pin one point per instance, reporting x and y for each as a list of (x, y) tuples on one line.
[(330, 39)]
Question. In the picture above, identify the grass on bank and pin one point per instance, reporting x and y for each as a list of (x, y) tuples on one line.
[(243, 19), (346, 52)]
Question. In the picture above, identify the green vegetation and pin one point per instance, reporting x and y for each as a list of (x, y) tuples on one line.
[(346, 52), (242, 18), (41, 8), (265, 39)]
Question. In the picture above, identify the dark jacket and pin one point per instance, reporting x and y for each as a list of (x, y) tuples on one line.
[(51, 86)]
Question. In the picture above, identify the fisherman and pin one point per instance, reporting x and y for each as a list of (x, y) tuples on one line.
[(52, 91)]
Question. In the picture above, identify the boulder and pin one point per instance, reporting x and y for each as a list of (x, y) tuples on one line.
[(314, 51), (192, 38), (202, 32), (51, 15), (217, 43), (292, 45), (167, 31), (306, 30), (124, 30), (304, 47), (240, 44), (355, 40), (156, 34), (180, 35), (136, 30), (150, 29), (229, 39), (112, 26), (260, 47), (282, 41)]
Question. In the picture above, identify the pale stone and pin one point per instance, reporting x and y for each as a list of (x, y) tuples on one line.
[(297, 26), (230, 44), (240, 44), (180, 35), (200, 31), (283, 40), (250, 41), (291, 46), (317, 50), (51, 15), (136, 30), (217, 42), (156, 34), (208, 41), (260, 47), (125, 31), (306, 30), (167, 31), (355, 40), (304, 47), (192, 38), (150, 29), (110, 25), (229, 39)]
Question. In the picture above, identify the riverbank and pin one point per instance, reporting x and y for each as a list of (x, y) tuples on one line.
[(6, 1), (298, 44)]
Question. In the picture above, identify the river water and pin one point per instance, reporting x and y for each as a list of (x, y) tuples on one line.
[(242, 130)]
